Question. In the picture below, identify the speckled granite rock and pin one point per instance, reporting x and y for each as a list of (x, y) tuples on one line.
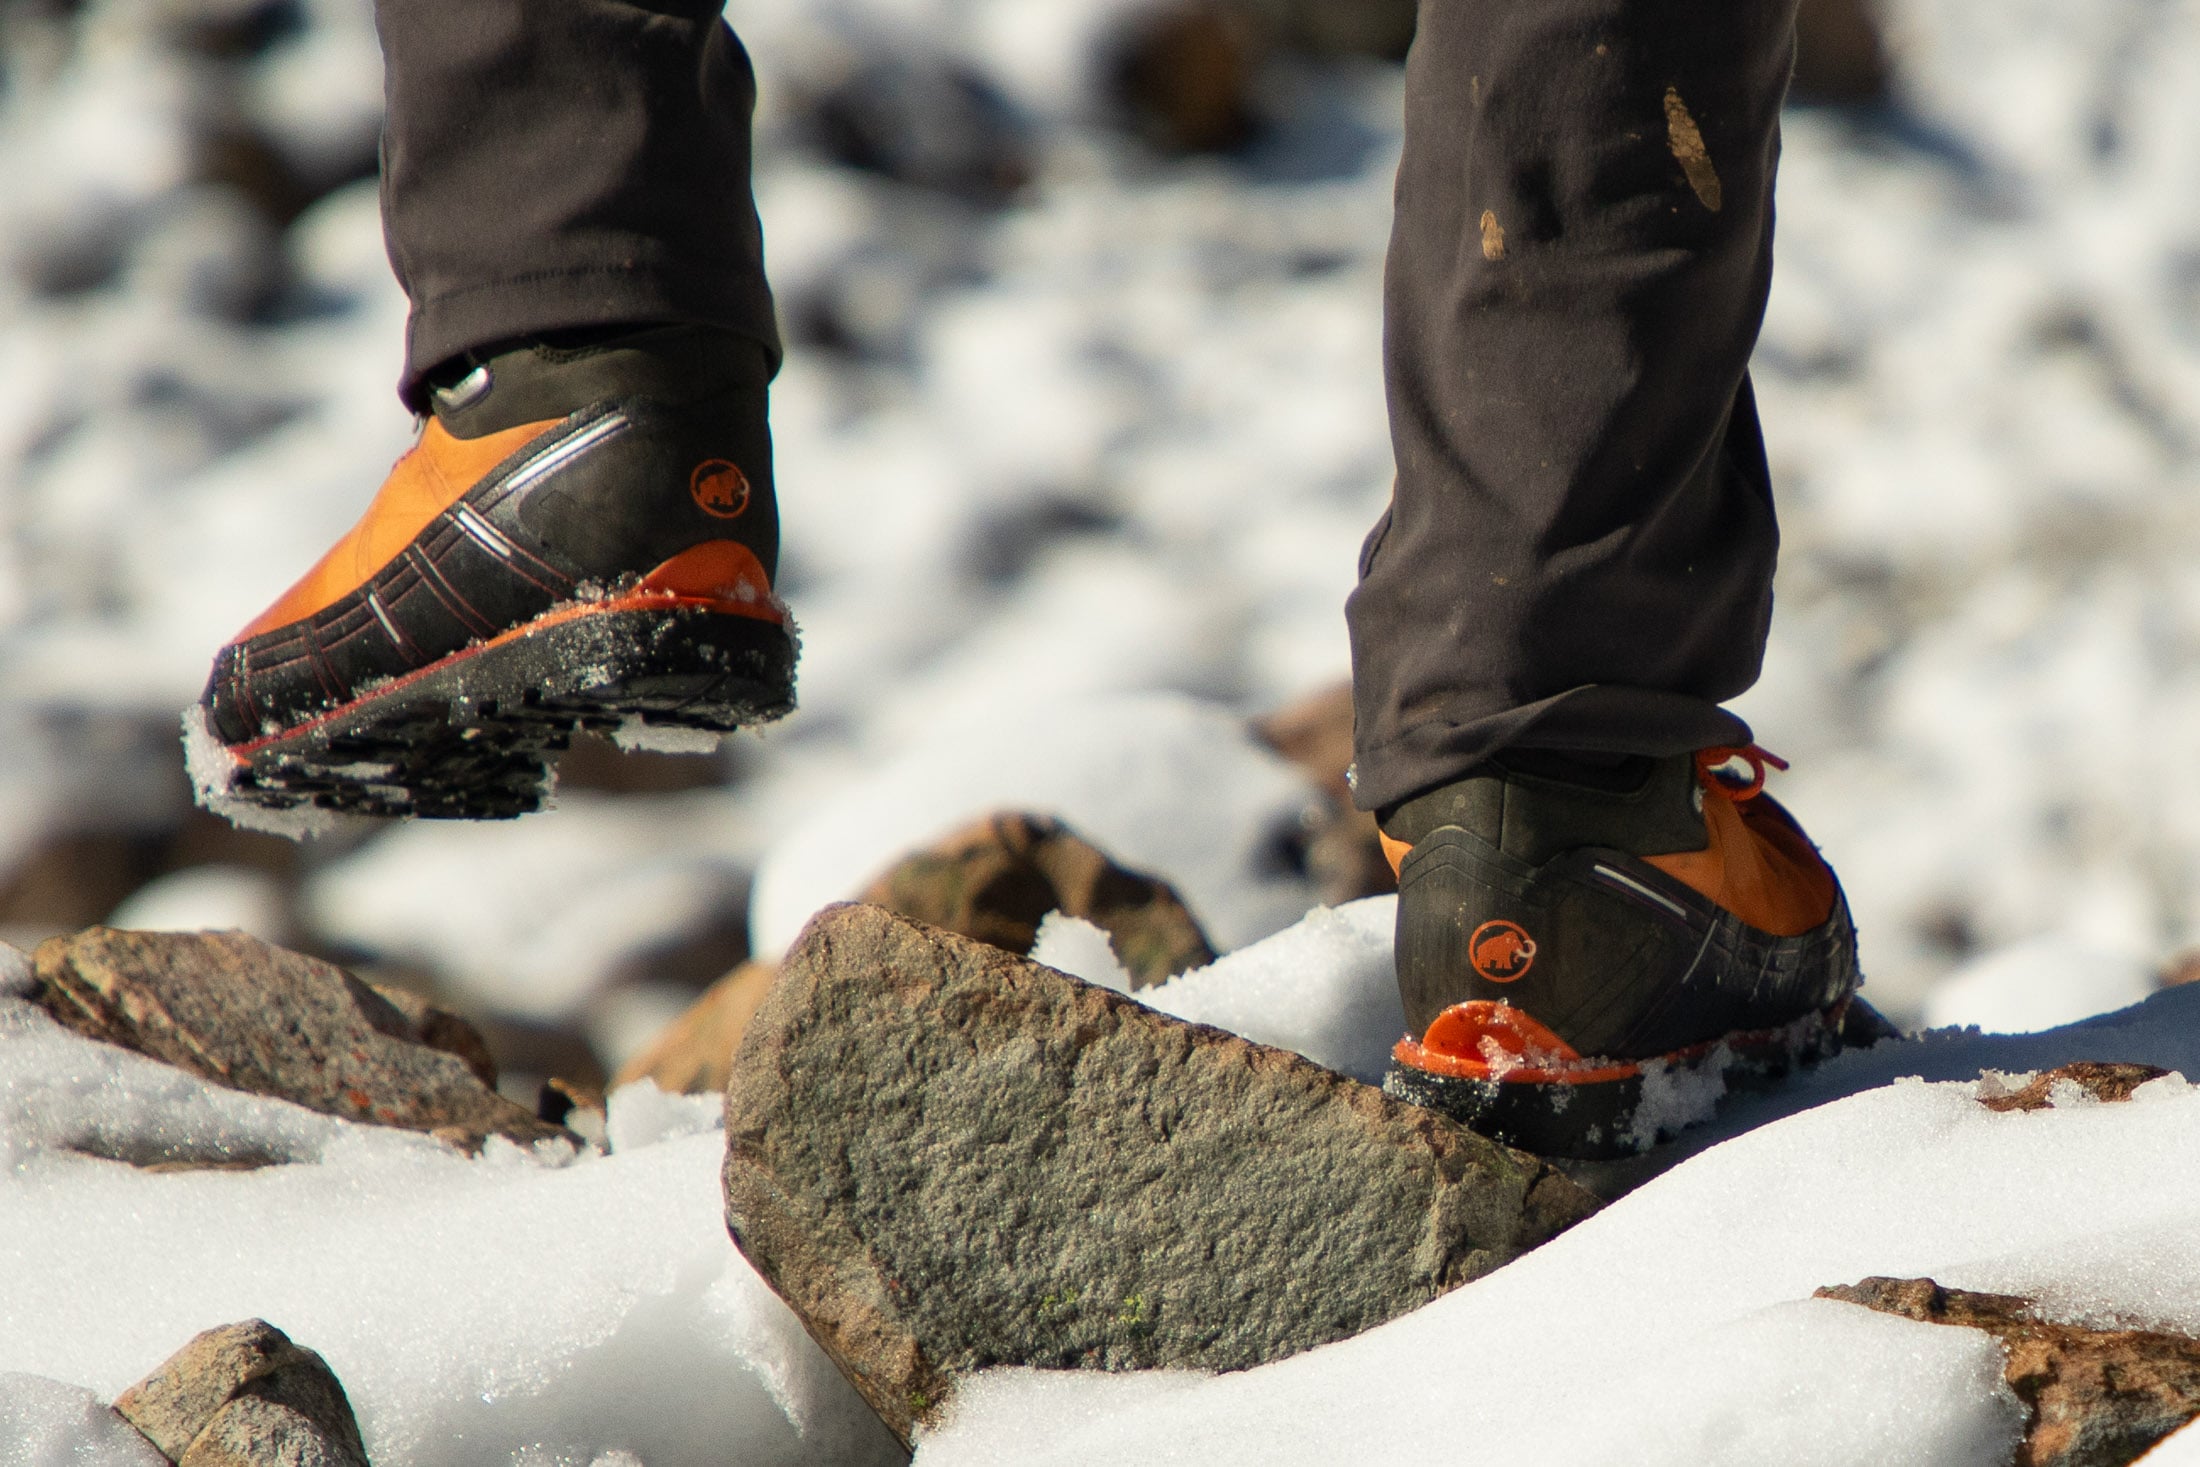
[(946, 1157), (244, 1395), (235, 1011)]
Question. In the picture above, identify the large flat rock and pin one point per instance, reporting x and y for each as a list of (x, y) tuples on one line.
[(238, 1012), (946, 1157)]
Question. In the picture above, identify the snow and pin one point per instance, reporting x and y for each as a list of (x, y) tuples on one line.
[(1161, 783), (213, 772), (1074, 946), (2179, 1449), (1323, 988), (207, 899), (2039, 984), (556, 909), (46, 1423), (476, 1310)]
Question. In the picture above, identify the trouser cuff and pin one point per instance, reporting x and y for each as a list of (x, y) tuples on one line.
[(1603, 718)]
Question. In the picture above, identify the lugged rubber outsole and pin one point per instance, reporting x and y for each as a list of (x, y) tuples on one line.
[(472, 737), (1602, 1120)]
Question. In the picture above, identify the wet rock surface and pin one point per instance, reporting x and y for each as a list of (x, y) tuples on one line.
[(245, 1395), (945, 1157), (997, 879), (2096, 1397), (237, 1012)]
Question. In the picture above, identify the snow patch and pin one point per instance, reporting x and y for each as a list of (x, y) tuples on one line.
[(47, 1423), (213, 770), (1324, 987), (2040, 984), (636, 733), (641, 1114), (523, 1305), (1079, 948), (208, 899)]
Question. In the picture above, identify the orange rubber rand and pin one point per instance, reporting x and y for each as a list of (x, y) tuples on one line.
[(1481, 1040), (722, 577)]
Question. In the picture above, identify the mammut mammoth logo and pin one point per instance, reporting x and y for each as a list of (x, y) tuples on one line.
[(720, 488), (1501, 951)]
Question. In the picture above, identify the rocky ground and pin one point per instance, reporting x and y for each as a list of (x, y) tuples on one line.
[(967, 1176)]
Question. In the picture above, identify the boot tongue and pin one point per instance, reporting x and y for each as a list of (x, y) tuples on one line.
[(1533, 805)]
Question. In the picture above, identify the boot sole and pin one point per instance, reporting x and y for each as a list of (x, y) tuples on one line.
[(472, 737), (1629, 1106)]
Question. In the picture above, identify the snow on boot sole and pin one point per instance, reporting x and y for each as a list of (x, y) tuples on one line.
[(471, 736), (1602, 1110)]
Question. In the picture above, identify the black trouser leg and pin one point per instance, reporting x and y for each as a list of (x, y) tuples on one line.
[(1579, 549), (560, 164)]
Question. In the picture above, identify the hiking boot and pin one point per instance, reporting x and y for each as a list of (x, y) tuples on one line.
[(1589, 953), (581, 538)]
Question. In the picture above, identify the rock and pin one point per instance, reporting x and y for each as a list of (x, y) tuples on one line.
[(2180, 970), (244, 1395), (1839, 53), (2101, 1081), (694, 1055), (1183, 72), (1337, 27), (235, 1011), (439, 1028), (1344, 853), (2097, 1398), (945, 1157), (925, 120), (996, 881)]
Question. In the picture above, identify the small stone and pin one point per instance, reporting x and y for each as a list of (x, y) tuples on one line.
[(2101, 1081), (253, 1431), (236, 1011), (695, 1053), (945, 1157), (2096, 1397), (996, 880), (245, 1394)]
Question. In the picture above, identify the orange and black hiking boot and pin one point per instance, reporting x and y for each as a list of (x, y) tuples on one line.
[(581, 538), (1589, 952)]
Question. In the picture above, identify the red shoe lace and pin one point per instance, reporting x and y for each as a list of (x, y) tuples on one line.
[(1711, 764)]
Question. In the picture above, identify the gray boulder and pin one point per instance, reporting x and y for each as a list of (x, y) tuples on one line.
[(946, 1157)]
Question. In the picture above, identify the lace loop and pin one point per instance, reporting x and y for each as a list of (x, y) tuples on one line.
[(1711, 762)]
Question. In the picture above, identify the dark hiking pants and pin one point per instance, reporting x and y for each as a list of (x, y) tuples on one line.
[(1578, 553), (1579, 547), (559, 164)]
